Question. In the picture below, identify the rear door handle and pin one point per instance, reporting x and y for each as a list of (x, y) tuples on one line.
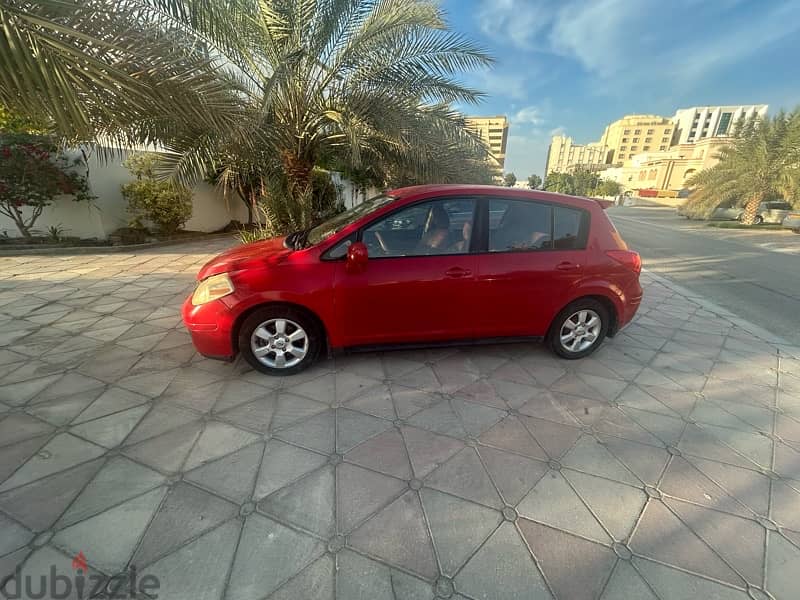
[(457, 273), (567, 266)]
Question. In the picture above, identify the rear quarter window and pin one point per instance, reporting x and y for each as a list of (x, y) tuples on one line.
[(570, 228)]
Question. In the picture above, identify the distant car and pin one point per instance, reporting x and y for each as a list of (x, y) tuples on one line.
[(421, 265), (792, 221), (769, 212), (721, 213)]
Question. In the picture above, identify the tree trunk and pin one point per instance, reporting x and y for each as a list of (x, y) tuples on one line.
[(298, 176), (751, 209)]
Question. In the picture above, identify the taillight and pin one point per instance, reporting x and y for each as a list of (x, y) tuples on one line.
[(628, 258)]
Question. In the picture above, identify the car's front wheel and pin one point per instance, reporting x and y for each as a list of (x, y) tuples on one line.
[(758, 220), (579, 329), (279, 340)]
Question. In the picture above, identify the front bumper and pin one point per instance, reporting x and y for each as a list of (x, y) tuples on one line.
[(210, 326)]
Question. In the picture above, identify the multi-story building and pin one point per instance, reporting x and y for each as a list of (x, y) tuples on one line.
[(494, 132), (564, 156), (633, 134), (700, 122)]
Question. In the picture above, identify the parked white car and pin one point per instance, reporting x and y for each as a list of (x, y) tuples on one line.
[(770, 212)]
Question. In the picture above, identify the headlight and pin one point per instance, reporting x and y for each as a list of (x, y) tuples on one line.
[(212, 288)]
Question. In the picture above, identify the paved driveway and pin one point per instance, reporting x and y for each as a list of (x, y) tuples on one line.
[(665, 466)]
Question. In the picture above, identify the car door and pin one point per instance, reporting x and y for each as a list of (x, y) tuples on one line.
[(417, 282), (534, 254)]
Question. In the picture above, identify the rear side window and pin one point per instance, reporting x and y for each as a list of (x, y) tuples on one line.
[(570, 228), (516, 225)]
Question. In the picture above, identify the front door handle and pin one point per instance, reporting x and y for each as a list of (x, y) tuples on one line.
[(457, 273), (567, 266)]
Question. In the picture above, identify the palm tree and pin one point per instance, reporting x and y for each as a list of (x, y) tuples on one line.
[(253, 91), (761, 161)]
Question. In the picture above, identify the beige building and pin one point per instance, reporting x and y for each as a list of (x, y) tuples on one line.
[(494, 132), (565, 156), (667, 169), (633, 134)]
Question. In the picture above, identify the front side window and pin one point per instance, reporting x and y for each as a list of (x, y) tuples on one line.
[(516, 225), (435, 227), (338, 222)]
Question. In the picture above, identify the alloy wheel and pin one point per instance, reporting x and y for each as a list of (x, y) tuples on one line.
[(580, 330), (279, 343)]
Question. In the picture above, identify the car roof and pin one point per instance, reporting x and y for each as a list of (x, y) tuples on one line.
[(421, 191)]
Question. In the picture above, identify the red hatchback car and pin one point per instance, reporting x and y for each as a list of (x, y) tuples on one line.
[(421, 265)]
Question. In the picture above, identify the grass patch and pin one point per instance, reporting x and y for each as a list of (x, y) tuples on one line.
[(737, 225)]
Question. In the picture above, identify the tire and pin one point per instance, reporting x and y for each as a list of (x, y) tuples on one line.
[(574, 312), (758, 220), (276, 340), (796, 230)]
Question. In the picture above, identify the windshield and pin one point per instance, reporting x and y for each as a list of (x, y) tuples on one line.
[(338, 222)]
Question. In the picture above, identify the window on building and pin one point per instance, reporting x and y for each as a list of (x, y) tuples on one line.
[(649, 132), (637, 131), (646, 148), (664, 140), (724, 123), (626, 132), (662, 147), (666, 131), (623, 148), (634, 148), (635, 140), (648, 139), (624, 140)]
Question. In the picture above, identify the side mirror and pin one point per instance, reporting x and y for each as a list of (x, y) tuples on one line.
[(357, 257)]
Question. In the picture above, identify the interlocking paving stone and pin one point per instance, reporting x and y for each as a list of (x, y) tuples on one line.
[(232, 476), (783, 561), (554, 502), (359, 578), (739, 541), (376, 401), (118, 480), (15, 536), (198, 570), (626, 583), (110, 431), (162, 418), (41, 563), (399, 535), (785, 506), (751, 445), (292, 408), (17, 394), (256, 415), (282, 464), (353, 427), (428, 450), (62, 410), (185, 513), (513, 475), (113, 400), (476, 418), (574, 567), (8, 565), (698, 442), (14, 455), (440, 418), (683, 480), (39, 504), (554, 438), (787, 461), (502, 569), (464, 476), (590, 456), (111, 537), (458, 527), (268, 555), (663, 536), (218, 439), (166, 452), (674, 584), (19, 426), (616, 505), (316, 581), (62, 452), (385, 453), (360, 492), (511, 434), (309, 503)]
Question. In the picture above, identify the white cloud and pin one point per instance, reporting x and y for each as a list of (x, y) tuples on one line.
[(626, 44), (530, 114), (560, 130)]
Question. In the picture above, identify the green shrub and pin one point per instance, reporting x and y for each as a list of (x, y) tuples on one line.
[(165, 204)]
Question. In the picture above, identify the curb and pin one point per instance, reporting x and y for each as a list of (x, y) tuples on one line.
[(751, 328), (66, 250)]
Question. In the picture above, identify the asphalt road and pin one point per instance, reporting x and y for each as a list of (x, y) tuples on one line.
[(756, 275)]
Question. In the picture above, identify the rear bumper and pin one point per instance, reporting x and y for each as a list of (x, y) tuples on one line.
[(631, 301), (210, 328)]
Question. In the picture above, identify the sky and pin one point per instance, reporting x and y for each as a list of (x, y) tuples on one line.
[(573, 66)]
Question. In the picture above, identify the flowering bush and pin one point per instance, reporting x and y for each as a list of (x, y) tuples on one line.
[(32, 173), (166, 204)]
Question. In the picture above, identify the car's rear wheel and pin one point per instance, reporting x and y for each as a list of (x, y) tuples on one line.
[(579, 329), (758, 220), (279, 340)]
